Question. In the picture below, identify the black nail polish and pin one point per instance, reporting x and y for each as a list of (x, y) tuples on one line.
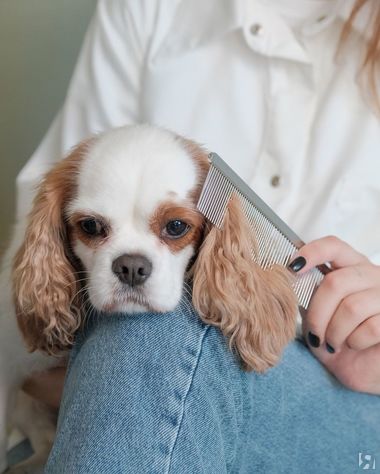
[(330, 348), (313, 340), (297, 264)]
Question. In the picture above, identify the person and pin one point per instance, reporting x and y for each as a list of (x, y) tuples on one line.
[(286, 93)]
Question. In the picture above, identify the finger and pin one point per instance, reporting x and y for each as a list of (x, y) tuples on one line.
[(328, 249), (350, 314), (357, 370), (366, 335), (336, 286)]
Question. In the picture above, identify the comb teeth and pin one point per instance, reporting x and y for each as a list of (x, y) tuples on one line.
[(276, 242)]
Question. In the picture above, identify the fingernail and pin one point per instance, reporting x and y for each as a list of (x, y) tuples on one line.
[(297, 264), (313, 340), (330, 348)]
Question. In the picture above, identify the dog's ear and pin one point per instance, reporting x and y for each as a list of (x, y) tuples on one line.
[(44, 279), (254, 308)]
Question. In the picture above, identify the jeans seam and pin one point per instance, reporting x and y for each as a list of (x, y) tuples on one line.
[(185, 397)]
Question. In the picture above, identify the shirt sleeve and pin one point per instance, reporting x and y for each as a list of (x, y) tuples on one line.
[(104, 91)]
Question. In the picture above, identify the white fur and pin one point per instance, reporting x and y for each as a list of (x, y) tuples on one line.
[(127, 173)]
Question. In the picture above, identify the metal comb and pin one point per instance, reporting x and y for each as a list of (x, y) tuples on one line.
[(276, 242)]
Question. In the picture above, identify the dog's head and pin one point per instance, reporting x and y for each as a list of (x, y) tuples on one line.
[(117, 221)]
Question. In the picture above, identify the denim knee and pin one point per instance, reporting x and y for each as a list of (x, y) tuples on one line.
[(130, 384), (162, 393)]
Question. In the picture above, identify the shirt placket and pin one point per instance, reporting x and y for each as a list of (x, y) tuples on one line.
[(290, 103)]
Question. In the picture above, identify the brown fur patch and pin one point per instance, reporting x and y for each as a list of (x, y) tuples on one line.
[(77, 233), (200, 157), (169, 211), (254, 308), (45, 285)]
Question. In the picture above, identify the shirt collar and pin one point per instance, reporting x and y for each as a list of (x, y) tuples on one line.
[(197, 23), (342, 10)]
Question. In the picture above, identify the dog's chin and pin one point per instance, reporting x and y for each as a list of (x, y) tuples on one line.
[(131, 308), (135, 307), (125, 306), (134, 302)]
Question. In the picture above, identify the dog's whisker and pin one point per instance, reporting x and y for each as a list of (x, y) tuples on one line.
[(81, 290), (80, 280), (87, 315)]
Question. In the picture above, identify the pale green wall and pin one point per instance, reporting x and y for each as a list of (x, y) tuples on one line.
[(39, 43)]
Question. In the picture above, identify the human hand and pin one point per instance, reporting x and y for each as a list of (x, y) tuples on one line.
[(342, 324)]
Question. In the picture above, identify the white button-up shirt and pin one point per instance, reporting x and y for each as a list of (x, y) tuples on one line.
[(242, 77)]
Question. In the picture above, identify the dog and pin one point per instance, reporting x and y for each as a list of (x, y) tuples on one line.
[(114, 227)]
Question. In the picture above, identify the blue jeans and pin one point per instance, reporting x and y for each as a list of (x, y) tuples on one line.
[(161, 393)]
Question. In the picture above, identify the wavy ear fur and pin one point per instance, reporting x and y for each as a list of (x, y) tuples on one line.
[(45, 285), (254, 308)]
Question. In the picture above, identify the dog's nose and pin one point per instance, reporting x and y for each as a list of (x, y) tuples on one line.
[(132, 270)]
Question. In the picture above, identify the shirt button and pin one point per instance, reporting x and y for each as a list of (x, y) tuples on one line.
[(321, 18), (256, 29), (275, 181)]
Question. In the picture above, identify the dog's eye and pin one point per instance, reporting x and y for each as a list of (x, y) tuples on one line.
[(176, 228), (92, 227)]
